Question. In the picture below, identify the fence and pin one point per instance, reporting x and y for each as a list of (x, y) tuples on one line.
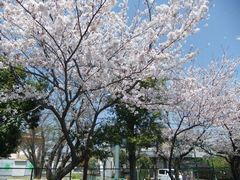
[(76, 174), (9, 173), (108, 174), (212, 173)]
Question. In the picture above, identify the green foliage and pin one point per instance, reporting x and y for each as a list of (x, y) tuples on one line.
[(76, 176), (9, 136), (144, 162), (11, 126), (10, 76), (15, 114), (217, 162), (93, 163), (149, 82), (123, 157), (39, 85), (107, 133), (139, 127), (100, 152), (130, 129), (24, 111)]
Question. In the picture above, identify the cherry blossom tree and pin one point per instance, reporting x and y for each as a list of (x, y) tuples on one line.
[(89, 50), (224, 137), (199, 101)]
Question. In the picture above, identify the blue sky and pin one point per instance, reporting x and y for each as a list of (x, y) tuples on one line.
[(222, 34)]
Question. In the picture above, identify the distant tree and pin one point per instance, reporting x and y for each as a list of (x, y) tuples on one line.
[(100, 150), (123, 158), (144, 162), (145, 165), (138, 129), (93, 163), (201, 100), (37, 141), (224, 137), (216, 162)]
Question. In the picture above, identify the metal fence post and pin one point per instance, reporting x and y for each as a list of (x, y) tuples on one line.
[(31, 173)]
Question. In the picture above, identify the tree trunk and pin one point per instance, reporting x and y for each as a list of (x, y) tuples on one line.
[(85, 167), (104, 169), (176, 169), (170, 168), (171, 159), (235, 167), (37, 173), (50, 174), (132, 161), (60, 173), (155, 168), (171, 176)]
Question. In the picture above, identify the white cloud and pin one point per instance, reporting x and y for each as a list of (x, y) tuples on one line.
[(238, 38), (205, 25)]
